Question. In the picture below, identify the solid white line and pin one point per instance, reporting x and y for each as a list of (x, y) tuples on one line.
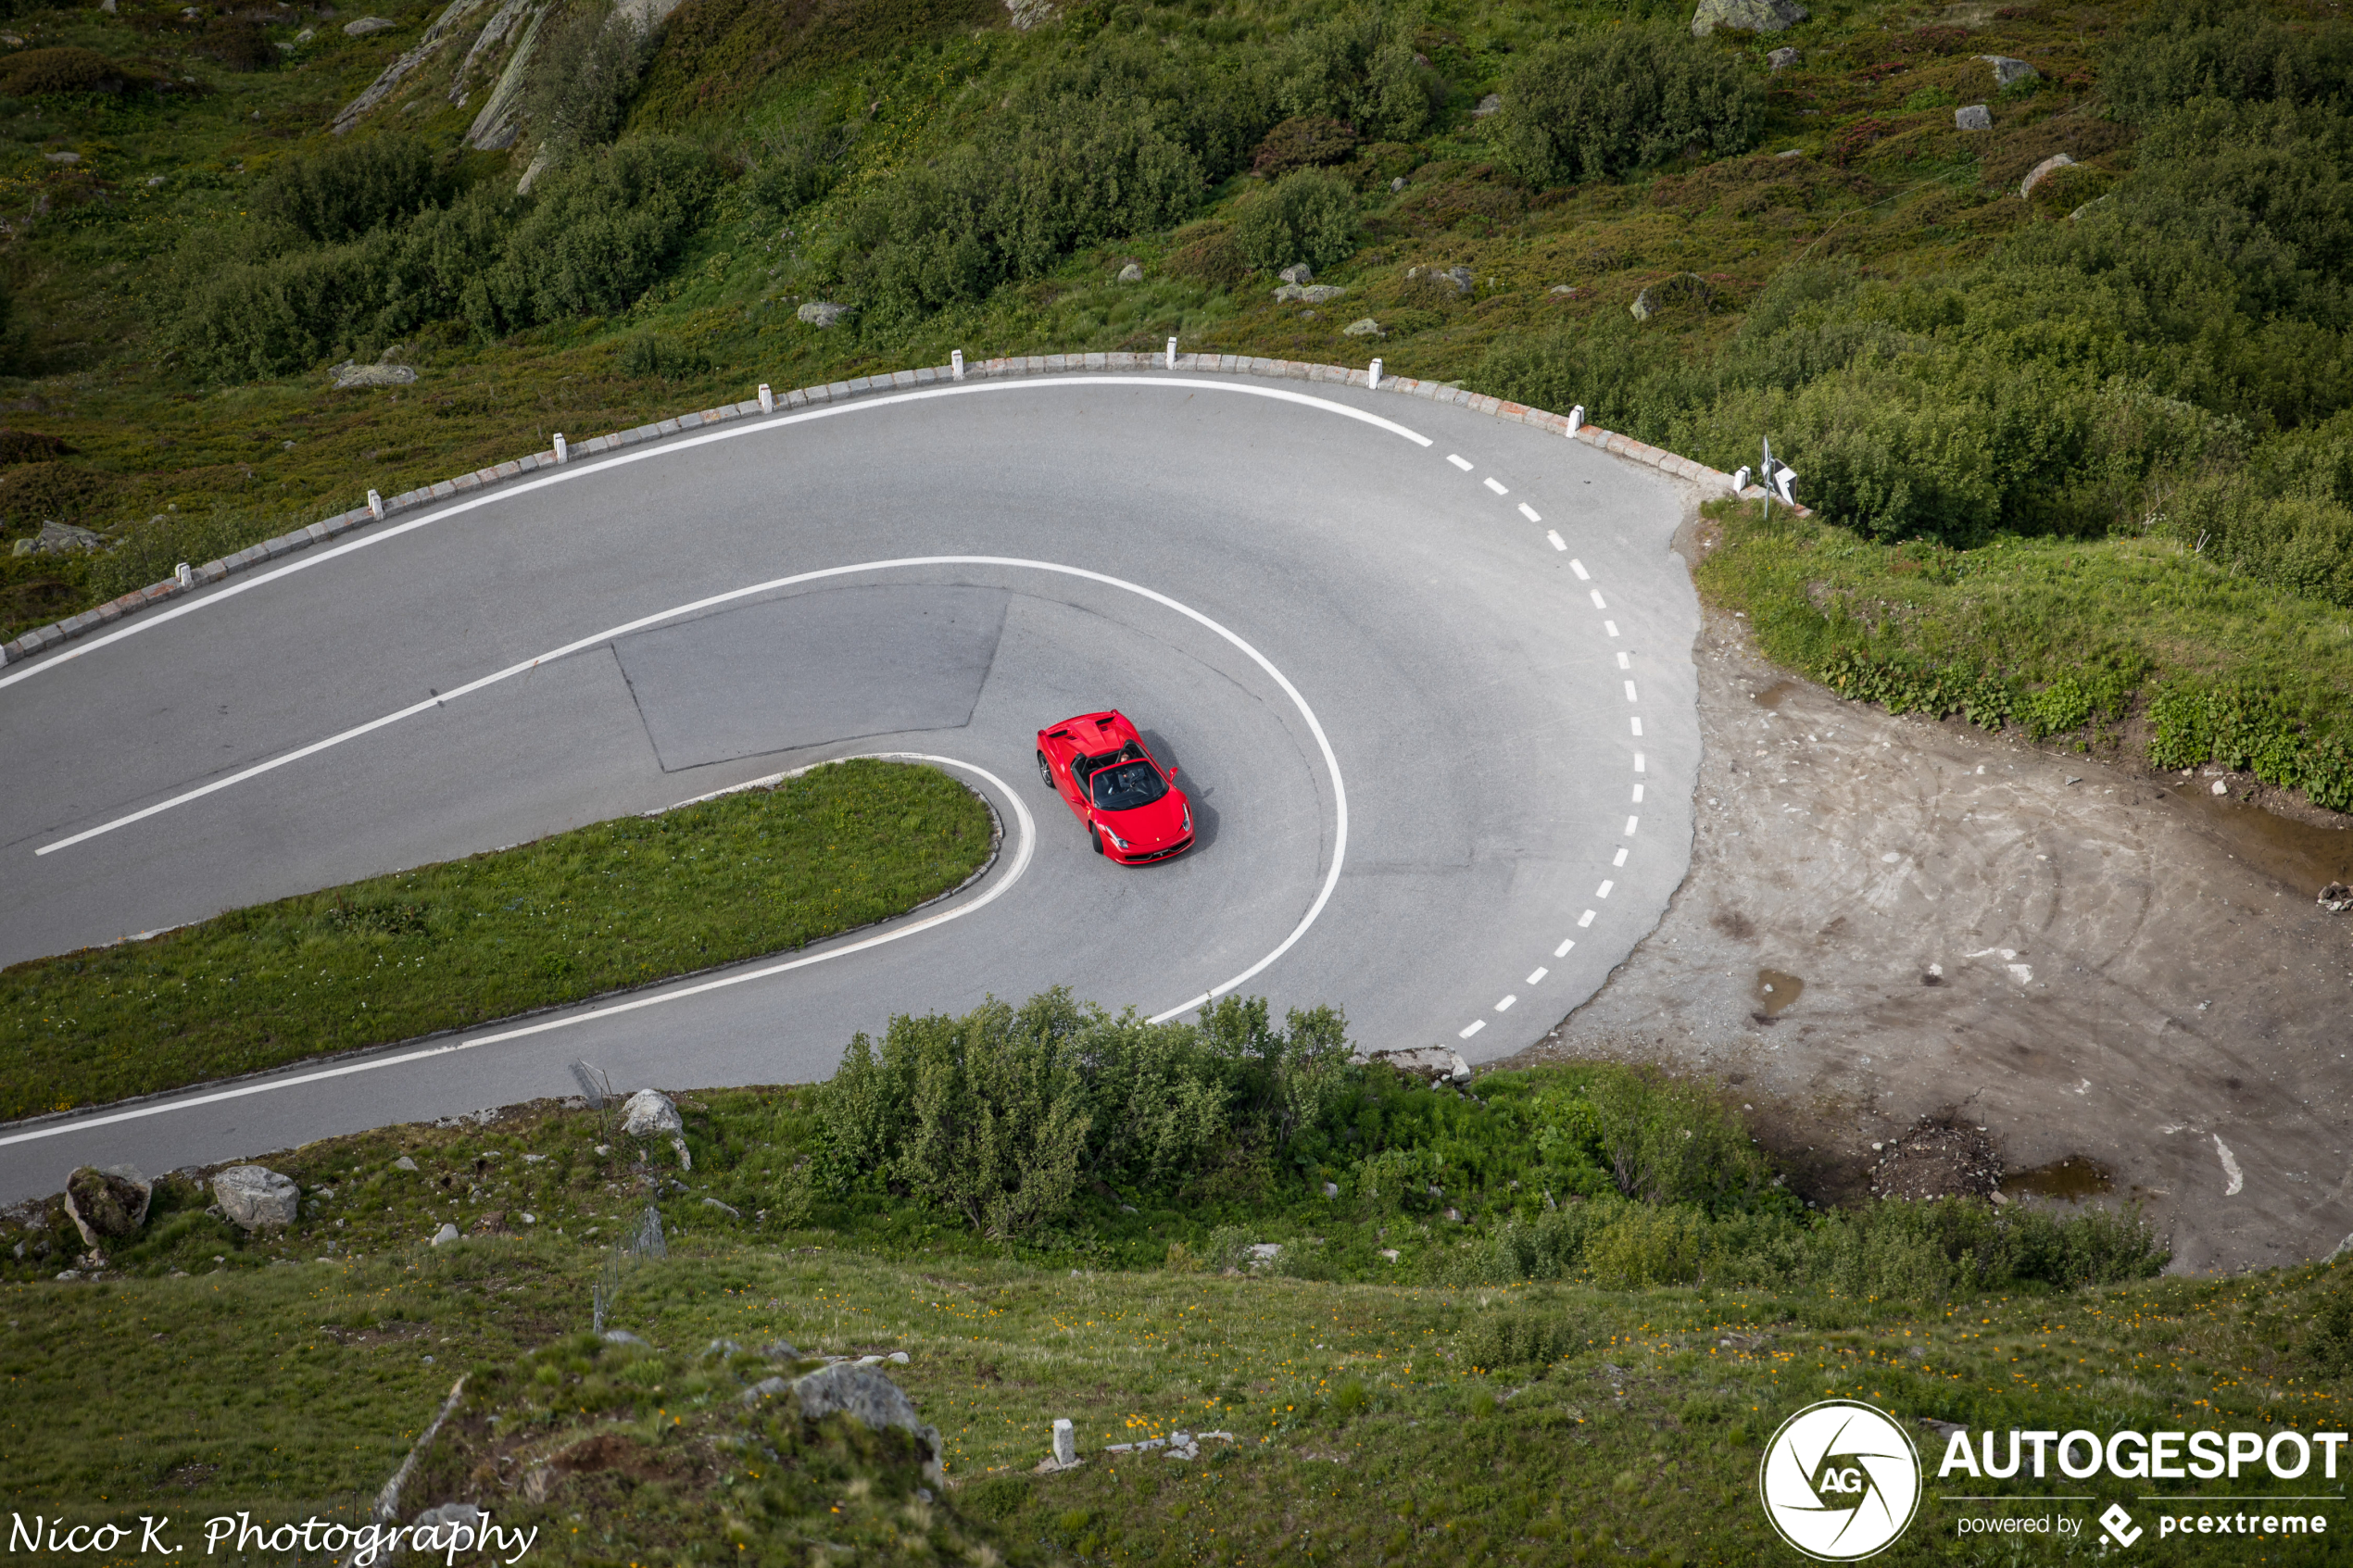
[(1621, 857), (1629, 693), (581, 470), (1496, 487), (1536, 976), (1529, 512), (1505, 1005), (1477, 1024), (1611, 627), (1631, 821), (1462, 463), (1562, 951), (1584, 919), (1022, 855), (1597, 600), (1602, 891), (1579, 567), (1558, 542)]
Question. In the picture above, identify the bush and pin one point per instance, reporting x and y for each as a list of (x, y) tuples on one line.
[(1360, 67), (1508, 1338), (36, 73), (799, 163), (1308, 216), (351, 187), (1603, 105), (1207, 253), (1304, 142), (659, 354), (2224, 49), (587, 67)]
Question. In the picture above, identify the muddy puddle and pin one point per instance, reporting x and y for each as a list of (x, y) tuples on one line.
[(2069, 1180), (1773, 695), (2305, 856), (1776, 991)]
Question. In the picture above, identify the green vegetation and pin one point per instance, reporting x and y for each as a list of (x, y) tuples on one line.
[(1381, 1409), (444, 947)]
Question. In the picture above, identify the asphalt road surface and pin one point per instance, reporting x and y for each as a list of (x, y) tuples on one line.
[(1428, 675)]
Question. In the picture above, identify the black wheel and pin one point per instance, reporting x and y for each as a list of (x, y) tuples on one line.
[(1094, 841), (1045, 773)]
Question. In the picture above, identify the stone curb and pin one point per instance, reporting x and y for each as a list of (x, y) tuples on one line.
[(43, 638)]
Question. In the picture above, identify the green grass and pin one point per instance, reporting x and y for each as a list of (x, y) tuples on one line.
[(444, 947), (1367, 1429)]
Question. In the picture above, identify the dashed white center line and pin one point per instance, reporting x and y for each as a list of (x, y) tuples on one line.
[(1611, 627), (1476, 1025), (1597, 600), (1462, 463), (1529, 512), (1558, 542), (1629, 693), (1640, 769), (1625, 659), (1637, 800), (1633, 821), (1638, 729), (1536, 976), (1496, 485), (1579, 567), (1584, 919), (1602, 891), (1562, 951), (1505, 1005), (1621, 856)]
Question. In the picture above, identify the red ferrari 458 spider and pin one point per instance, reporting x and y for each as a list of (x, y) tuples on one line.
[(1128, 803)]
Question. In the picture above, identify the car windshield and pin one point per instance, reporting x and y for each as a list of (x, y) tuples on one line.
[(1123, 786)]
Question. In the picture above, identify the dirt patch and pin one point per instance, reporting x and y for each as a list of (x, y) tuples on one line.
[(1938, 1157), (2093, 963)]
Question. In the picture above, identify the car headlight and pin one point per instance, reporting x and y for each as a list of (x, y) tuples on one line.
[(1116, 840), (1189, 817)]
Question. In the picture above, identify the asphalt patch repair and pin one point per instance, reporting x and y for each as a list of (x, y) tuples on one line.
[(2126, 979)]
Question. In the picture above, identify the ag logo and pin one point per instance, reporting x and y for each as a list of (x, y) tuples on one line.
[(1839, 1480)]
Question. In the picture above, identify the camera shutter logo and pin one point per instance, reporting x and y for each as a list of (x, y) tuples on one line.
[(1839, 1480)]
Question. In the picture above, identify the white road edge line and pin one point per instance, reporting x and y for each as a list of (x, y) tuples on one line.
[(1022, 855), (582, 469)]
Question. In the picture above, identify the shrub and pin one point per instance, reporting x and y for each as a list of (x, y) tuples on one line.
[(799, 164), (1600, 104), (237, 44), (351, 187), (1646, 1246), (587, 67), (1207, 253), (1360, 67), (1308, 216), (1508, 1338), (36, 73), (2223, 49), (1304, 142), (659, 354)]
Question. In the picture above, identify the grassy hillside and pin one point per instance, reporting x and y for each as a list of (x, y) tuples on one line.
[(2132, 376), (1483, 1396)]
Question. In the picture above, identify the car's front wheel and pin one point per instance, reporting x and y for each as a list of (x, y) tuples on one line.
[(1094, 841), (1045, 773)]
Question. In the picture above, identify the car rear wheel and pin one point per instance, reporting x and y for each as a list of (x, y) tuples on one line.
[(1045, 773)]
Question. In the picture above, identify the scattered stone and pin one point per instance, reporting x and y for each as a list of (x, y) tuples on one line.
[(2221, 789), (366, 26), (463, 1513), (872, 1400), (1396, 184), (1390, 1254), (446, 1233), (155, 180), (492, 1224), (2006, 70), (1434, 1065), (822, 313), (253, 1196), (1363, 326), (2336, 898), (1941, 1428), (766, 1388), (1131, 273), (1682, 286), (306, 35), (1782, 58), (1297, 272), (1563, 291), (63, 158), (727, 1209), (404, 1163), (1310, 293), (1460, 277), (2035, 176), (1066, 1443), (1746, 16), (1973, 116), (648, 1113), (1331, 1189), (1262, 1254), (780, 1350), (1455, 1215), (109, 1204), (621, 1336), (1028, 14), (348, 376), (1937, 1156), (898, 1358), (1491, 104), (56, 538)]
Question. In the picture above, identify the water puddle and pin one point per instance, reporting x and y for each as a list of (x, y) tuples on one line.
[(1776, 991), (2076, 1177), (2304, 857), (1772, 697)]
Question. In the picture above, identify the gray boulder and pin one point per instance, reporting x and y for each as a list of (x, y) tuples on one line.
[(348, 376), (63, 158), (1363, 327), (367, 25), (1312, 293), (106, 1205), (822, 313), (2042, 171), (448, 1233), (649, 1114), (1782, 58), (766, 1388), (1746, 16), (1396, 184), (1131, 273), (1434, 1064), (1491, 104), (56, 538), (1973, 116), (869, 1398), (256, 1197), (2006, 70), (1297, 272)]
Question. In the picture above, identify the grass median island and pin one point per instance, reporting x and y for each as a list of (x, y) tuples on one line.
[(1480, 1398), (444, 946)]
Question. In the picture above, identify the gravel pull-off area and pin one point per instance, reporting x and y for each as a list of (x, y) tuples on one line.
[(2127, 982)]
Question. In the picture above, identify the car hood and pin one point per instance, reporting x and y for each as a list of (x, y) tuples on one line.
[(1163, 822)]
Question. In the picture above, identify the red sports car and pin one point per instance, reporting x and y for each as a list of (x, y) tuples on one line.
[(1130, 805)]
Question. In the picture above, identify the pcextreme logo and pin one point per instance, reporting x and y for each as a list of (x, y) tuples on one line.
[(1839, 1480)]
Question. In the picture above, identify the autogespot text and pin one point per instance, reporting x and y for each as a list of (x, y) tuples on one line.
[(2137, 1456)]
